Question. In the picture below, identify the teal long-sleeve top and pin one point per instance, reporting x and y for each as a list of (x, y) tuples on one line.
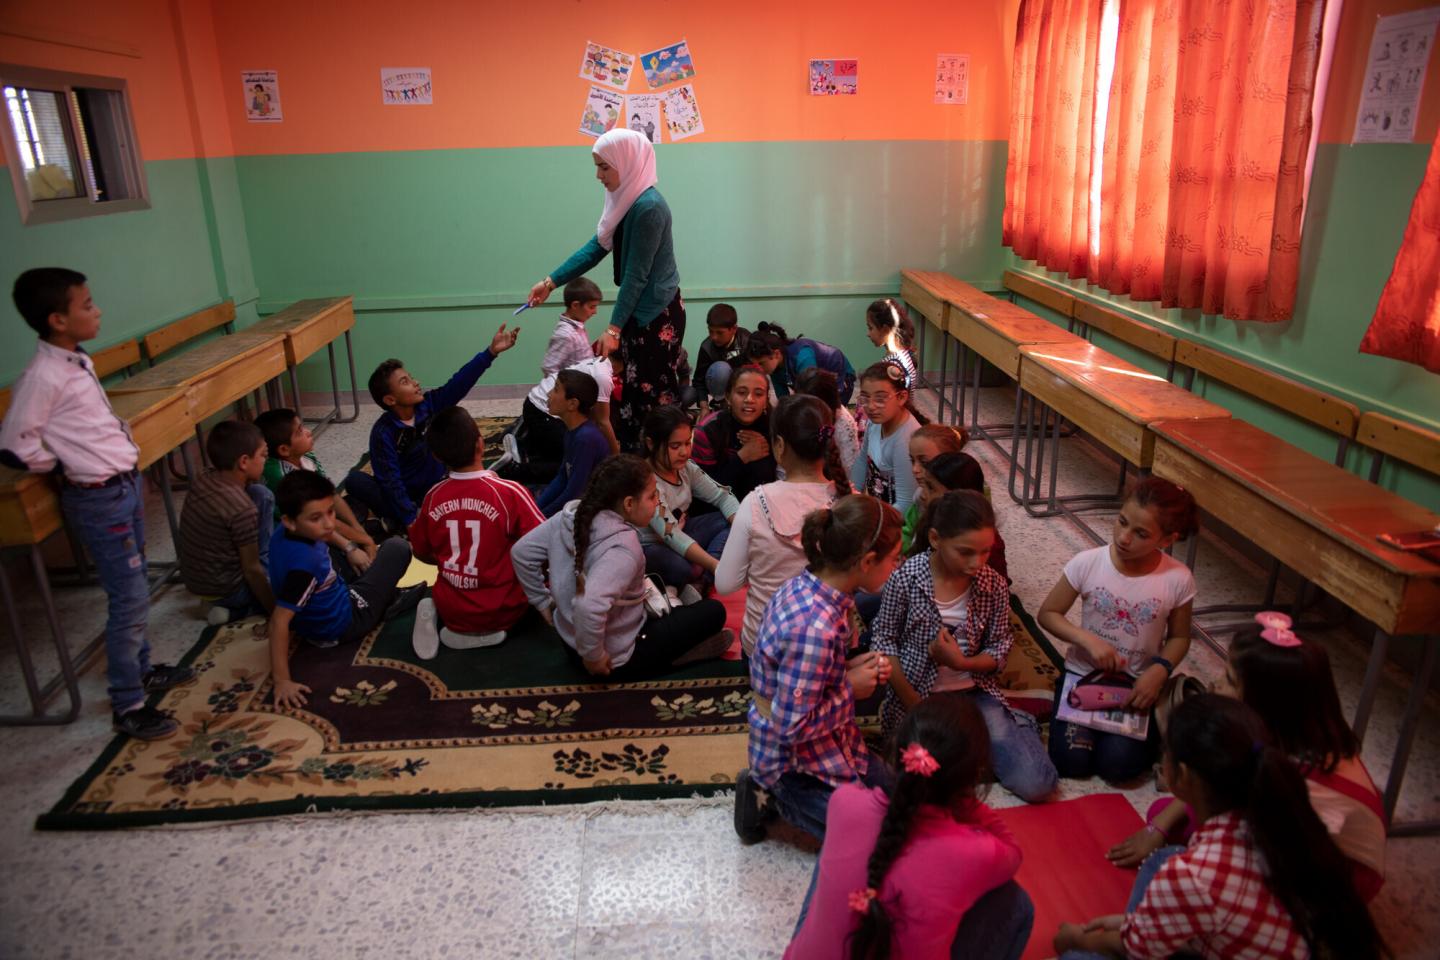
[(645, 272)]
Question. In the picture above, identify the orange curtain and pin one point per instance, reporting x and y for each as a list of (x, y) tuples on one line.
[(1406, 325), (1204, 156), (1052, 115)]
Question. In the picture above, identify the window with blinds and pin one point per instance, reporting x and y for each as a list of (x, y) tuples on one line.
[(70, 145)]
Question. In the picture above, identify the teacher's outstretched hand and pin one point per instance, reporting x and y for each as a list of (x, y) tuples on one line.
[(647, 324)]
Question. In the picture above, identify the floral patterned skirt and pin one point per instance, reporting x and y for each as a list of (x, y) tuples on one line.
[(651, 354)]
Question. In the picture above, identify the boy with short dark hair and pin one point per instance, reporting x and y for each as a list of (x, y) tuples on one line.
[(719, 352), (572, 399), (225, 526), (60, 421), (467, 525), (401, 461), (568, 344), (311, 599), (292, 448), (541, 437)]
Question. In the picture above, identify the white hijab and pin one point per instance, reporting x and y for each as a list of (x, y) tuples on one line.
[(633, 157)]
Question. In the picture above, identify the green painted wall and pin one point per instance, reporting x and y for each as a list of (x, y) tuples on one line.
[(1360, 199), (439, 246), (145, 268)]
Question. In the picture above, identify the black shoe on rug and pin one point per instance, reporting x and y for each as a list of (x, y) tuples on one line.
[(163, 676), (406, 600), (749, 816), (145, 723)]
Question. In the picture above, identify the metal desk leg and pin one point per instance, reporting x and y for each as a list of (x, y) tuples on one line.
[(38, 695), (354, 384), (1408, 728), (1378, 651), (939, 388)]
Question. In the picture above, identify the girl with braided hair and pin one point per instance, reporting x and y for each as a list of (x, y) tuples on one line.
[(583, 569), (924, 869)]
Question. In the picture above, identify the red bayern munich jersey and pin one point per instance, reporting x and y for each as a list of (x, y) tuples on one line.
[(467, 525)]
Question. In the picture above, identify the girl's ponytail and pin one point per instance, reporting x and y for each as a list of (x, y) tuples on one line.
[(837, 538), (623, 475)]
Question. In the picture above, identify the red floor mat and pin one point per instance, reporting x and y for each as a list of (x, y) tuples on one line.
[(1065, 870)]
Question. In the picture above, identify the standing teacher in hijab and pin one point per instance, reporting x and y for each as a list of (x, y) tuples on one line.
[(647, 325)]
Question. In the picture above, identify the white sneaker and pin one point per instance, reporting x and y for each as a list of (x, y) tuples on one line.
[(470, 641), (655, 599), (511, 447), (690, 595), (218, 616), (426, 635)]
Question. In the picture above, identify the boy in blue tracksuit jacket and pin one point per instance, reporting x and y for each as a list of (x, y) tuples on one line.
[(402, 463)]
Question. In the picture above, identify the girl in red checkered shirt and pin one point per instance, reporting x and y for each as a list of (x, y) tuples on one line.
[(1260, 879)]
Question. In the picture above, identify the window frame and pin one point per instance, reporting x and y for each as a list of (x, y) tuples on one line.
[(33, 212)]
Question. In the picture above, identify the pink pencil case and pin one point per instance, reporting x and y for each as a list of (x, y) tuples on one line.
[(1101, 690)]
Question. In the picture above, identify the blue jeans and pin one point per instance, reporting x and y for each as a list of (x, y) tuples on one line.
[(241, 602), (1019, 758), (1080, 752), (710, 530), (996, 927), (363, 489), (801, 800), (1147, 872), (110, 522)]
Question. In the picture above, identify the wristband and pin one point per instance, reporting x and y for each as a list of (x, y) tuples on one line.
[(1155, 830), (1169, 667), (549, 283), (353, 545)]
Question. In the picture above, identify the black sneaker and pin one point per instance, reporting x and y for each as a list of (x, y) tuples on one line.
[(163, 676), (145, 723), (749, 814), (406, 600)]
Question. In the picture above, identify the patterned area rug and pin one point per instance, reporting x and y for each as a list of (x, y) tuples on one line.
[(517, 724)]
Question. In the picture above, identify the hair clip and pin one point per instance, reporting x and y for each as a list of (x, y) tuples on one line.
[(1281, 637), (1274, 620), (860, 899), (917, 760), (825, 434)]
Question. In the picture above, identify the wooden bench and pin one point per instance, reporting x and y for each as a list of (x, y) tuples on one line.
[(1322, 521), (173, 334), (1296, 399), (122, 356), (308, 325), (1406, 442), (1160, 345), (1060, 300), (218, 373)]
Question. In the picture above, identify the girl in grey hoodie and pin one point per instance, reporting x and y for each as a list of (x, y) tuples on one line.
[(584, 570)]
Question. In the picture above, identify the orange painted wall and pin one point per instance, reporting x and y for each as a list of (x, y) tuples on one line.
[(1347, 74), (507, 74)]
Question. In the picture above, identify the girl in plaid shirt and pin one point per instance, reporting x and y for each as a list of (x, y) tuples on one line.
[(944, 625), (1260, 880), (803, 738)]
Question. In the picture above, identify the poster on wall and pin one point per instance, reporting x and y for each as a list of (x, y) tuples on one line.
[(262, 96), (605, 66), (952, 78), (682, 113), (834, 78), (602, 111), (667, 65), (405, 85), (642, 114), (1394, 76)]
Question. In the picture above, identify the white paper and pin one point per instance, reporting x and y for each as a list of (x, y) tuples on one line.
[(682, 113), (952, 78), (1394, 76), (606, 66), (602, 111), (642, 114), (262, 96), (406, 86), (1127, 723)]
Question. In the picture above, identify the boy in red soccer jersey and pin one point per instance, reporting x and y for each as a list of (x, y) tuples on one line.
[(467, 525)]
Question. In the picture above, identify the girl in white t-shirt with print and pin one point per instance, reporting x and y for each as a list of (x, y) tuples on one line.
[(1135, 619)]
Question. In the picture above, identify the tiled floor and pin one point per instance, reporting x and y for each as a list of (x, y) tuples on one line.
[(633, 880)]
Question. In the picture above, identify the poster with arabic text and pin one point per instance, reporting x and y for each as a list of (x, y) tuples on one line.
[(834, 78), (262, 96), (1394, 76), (602, 111), (682, 113), (952, 78), (642, 114)]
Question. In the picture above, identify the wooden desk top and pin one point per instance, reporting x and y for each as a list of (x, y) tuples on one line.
[(1135, 394), (941, 285), (1017, 324), (184, 369), (299, 314), (1328, 498)]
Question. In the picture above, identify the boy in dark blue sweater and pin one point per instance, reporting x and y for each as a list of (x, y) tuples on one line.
[(402, 463), (571, 399)]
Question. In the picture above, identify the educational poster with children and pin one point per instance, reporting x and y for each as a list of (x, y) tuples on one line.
[(1394, 76), (832, 78), (262, 96), (1127, 723), (405, 85), (602, 111), (667, 65), (605, 66), (952, 78), (642, 114), (682, 113)]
